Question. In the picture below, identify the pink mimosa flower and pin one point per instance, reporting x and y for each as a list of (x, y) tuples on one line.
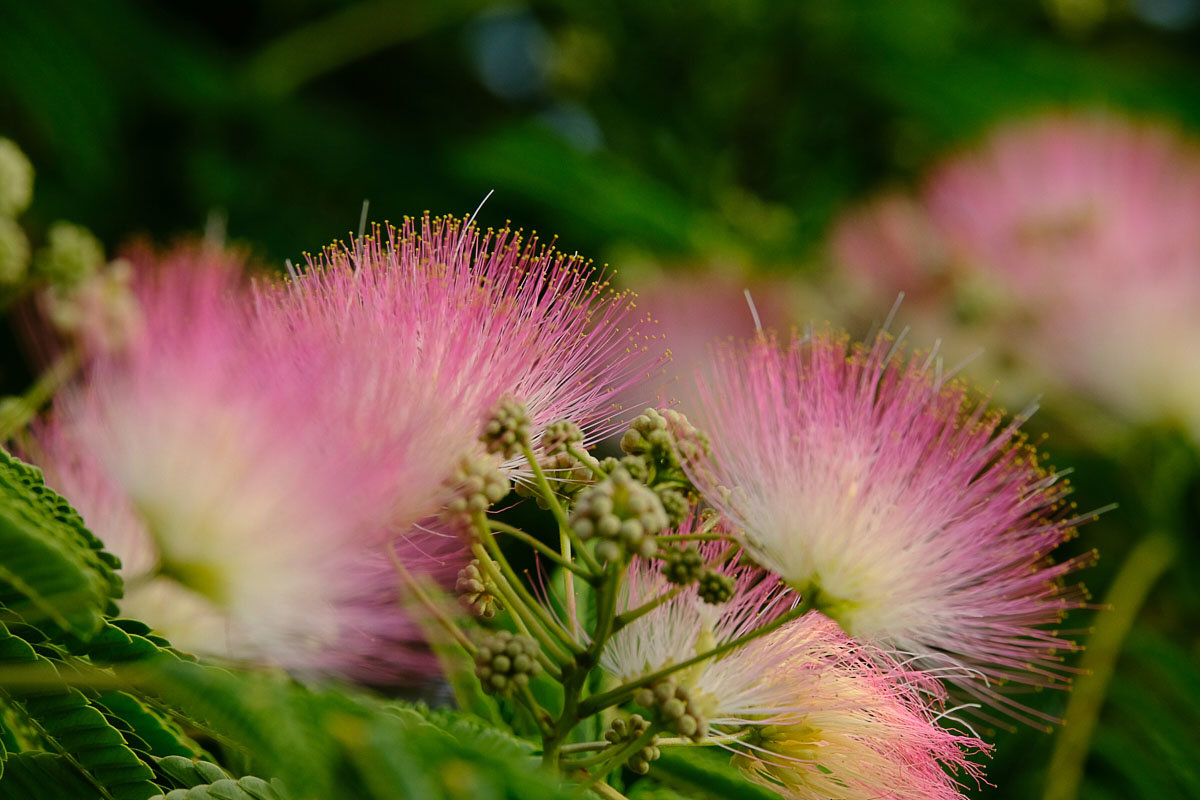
[(209, 456), (894, 500), (481, 315), (827, 716)]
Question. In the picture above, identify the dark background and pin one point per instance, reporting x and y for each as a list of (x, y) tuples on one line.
[(673, 134)]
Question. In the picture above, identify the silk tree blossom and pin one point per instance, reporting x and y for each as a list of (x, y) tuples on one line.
[(1067, 243), (207, 455), (492, 314), (896, 502), (822, 715)]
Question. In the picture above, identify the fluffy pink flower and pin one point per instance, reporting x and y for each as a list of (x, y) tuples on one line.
[(211, 457), (1069, 242), (481, 315), (828, 717), (907, 510)]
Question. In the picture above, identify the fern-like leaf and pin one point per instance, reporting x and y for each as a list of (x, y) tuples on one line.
[(71, 727), (202, 780), (52, 569)]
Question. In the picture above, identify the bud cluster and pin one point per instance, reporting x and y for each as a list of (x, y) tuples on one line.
[(675, 707), (636, 466), (477, 483), (70, 256), (664, 440), (682, 566), (475, 592), (507, 429), (715, 588), (566, 475), (559, 434), (504, 660), (622, 732), (621, 512)]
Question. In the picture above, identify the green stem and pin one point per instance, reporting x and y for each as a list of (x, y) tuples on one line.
[(541, 547), (587, 461), (520, 615), (430, 606), (17, 414), (1137, 576), (629, 616), (625, 691), (532, 607), (695, 537), (564, 525), (608, 792), (576, 674)]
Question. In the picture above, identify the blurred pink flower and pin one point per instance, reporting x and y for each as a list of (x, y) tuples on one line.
[(1069, 245), (916, 517), (830, 718), (209, 455)]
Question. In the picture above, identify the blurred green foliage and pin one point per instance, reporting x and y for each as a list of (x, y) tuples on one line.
[(677, 132)]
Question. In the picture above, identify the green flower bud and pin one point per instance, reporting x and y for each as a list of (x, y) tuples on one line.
[(70, 256), (560, 434), (566, 475), (674, 707), (14, 253), (682, 567), (621, 511), (475, 591), (621, 733), (16, 179), (675, 504), (477, 483), (714, 587), (507, 428), (504, 660)]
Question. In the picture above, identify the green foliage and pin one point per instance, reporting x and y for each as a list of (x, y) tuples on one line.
[(202, 780), (704, 773), (44, 776), (1149, 723), (69, 725), (52, 569)]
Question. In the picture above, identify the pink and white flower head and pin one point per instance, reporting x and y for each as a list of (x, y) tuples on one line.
[(491, 315), (896, 502), (208, 456), (827, 717), (1069, 243)]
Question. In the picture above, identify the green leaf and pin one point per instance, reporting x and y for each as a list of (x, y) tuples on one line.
[(70, 726), (52, 569), (705, 772), (200, 780), (161, 735), (44, 776)]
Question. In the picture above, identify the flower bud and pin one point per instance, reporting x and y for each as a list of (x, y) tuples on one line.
[(714, 587), (14, 253), (475, 591), (504, 660), (682, 566), (16, 179), (70, 256), (507, 429), (621, 511), (477, 484)]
